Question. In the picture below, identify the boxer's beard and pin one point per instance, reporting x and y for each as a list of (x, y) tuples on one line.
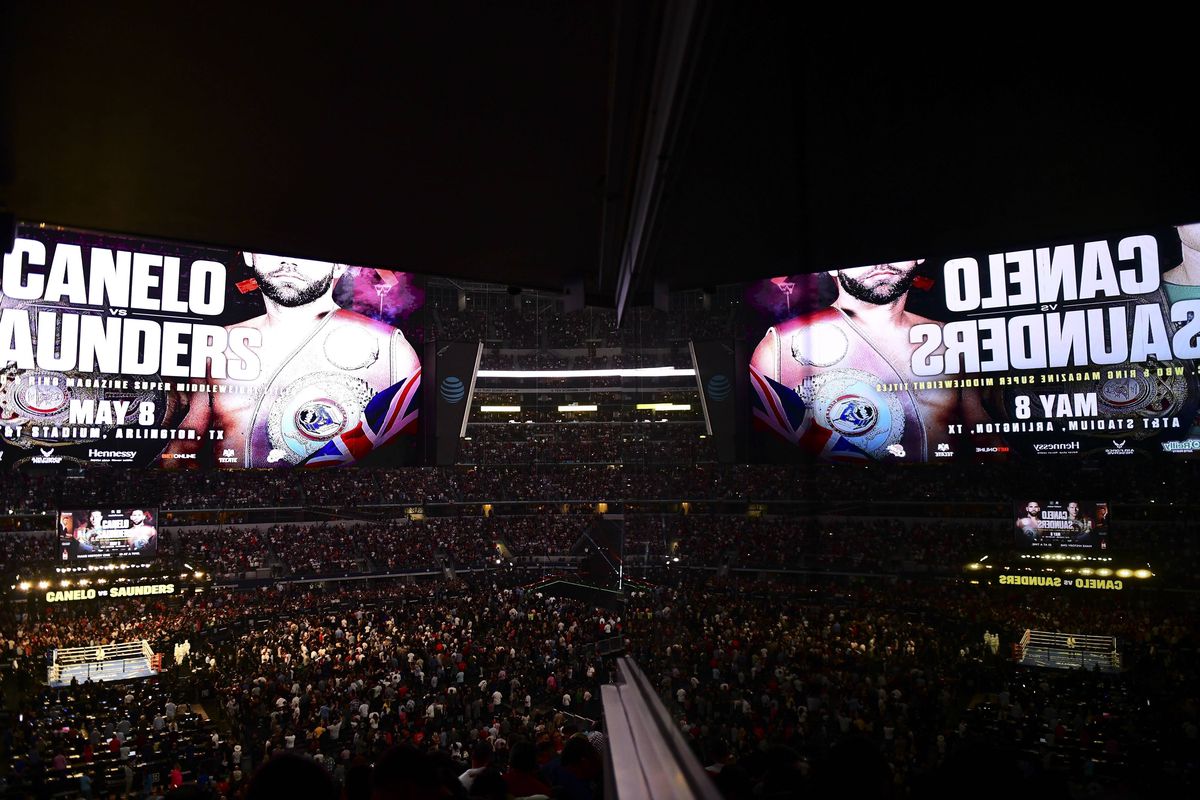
[(290, 297), (878, 294)]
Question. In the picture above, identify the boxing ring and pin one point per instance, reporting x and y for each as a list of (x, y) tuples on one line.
[(1068, 651), (110, 662)]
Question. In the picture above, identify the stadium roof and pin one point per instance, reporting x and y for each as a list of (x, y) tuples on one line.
[(535, 143)]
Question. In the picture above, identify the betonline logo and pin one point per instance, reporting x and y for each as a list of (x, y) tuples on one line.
[(1056, 447)]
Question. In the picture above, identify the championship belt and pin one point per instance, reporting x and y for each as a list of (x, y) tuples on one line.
[(1143, 394), (836, 373), (39, 398), (320, 390), (312, 410), (845, 400), (1139, 393), (32, 398)]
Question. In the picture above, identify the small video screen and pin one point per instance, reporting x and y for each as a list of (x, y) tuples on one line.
[(112, 534), (1061, 525)]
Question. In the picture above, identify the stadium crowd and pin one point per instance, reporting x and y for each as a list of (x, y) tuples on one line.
[(776, 685), (491, 318), (1140, 490), (467, 538), (867, 663)]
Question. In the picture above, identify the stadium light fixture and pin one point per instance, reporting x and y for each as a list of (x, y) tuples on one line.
[(579, 408), (664, 407), (637, 372), (500, 409)]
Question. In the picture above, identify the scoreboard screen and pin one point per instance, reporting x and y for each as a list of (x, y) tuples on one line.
[(1074, 348), (1060, 525), (97, 533), (138, 352)]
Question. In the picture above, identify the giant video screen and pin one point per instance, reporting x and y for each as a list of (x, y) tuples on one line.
[(1074, 348), (112, 534), (140, 352), (1060, 525)]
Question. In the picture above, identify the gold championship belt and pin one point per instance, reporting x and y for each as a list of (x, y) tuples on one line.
[(1143, 394), (1141, 391), (321, 389)]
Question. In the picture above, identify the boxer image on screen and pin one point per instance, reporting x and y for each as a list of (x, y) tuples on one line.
[(320, 365), (851, 363), (141, 532), (87, 533), (1029, 526), (1183, 282), (1081, 525)]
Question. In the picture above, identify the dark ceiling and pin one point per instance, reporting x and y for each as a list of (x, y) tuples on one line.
[(516, 142)]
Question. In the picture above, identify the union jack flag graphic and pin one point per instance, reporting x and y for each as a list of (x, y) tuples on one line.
[(781, 411), (389, 414)]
